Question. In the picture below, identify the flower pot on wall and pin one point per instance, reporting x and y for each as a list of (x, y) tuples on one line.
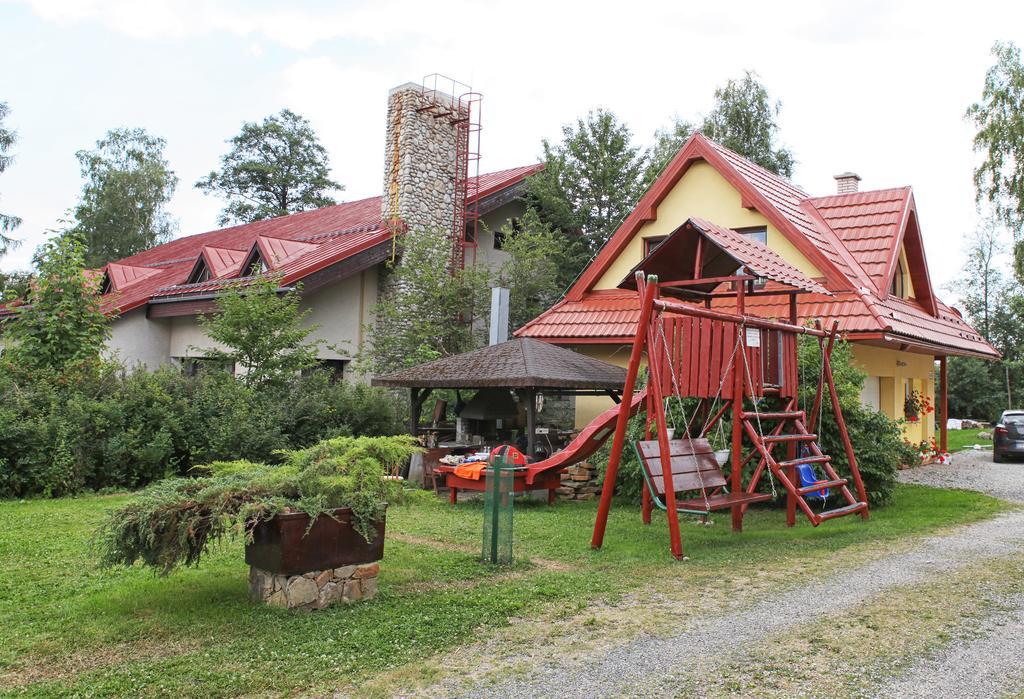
[(298, 566)]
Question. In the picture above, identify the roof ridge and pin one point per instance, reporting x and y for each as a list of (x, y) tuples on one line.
[(863, 192)]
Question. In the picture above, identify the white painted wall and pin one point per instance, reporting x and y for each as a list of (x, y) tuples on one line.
[(137, 340), (485, 252), (343, 310)]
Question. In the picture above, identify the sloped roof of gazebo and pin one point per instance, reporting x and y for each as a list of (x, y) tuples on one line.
[(519, 363)]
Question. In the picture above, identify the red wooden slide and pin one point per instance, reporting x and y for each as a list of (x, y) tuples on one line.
[(546, 474)]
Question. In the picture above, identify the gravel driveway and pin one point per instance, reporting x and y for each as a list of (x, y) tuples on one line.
[(973, 470), (658, 666)]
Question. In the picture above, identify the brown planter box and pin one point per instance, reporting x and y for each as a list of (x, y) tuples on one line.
[(282, 546)]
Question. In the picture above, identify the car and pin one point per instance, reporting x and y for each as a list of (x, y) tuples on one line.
[(1008, 436)]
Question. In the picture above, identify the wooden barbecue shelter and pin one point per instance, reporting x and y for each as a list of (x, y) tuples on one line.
[(508, 377)]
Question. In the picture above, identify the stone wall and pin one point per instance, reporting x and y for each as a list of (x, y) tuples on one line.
[(419, 160), (314, 590)]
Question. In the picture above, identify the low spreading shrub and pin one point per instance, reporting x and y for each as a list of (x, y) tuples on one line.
[(172, 522)]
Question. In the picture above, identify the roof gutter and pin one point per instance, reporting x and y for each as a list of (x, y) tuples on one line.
[(205, 297), (928, 347)]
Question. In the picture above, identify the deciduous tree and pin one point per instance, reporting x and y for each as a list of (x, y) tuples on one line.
[(744, 120), (7, 140), (262, 330), (590, 181), (426, 312), (667, 143), (61, 324), (128, 183), (999, 118), (274, 168), (531, 271)]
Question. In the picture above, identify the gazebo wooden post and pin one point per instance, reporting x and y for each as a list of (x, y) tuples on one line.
[(943, 405), (530, 396), (416, 398)]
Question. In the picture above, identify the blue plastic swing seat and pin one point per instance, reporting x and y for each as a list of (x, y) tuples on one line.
[(808, 477)]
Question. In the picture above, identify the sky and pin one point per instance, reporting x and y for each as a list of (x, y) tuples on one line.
[(877, 87)]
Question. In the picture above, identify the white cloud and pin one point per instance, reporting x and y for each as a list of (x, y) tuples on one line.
[(878, 87)]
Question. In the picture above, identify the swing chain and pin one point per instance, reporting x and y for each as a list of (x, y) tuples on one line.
[(679, 400), (757, 412)]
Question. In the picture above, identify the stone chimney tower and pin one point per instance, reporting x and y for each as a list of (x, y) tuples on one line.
[(420, 159), (846, 182)]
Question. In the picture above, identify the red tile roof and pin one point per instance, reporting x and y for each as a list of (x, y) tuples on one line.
[(760, 259), (851, 238), (294, 246), (867, 223), (223, 262)]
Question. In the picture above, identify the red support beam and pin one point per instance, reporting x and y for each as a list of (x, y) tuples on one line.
[(738, 366), (619, 439), (943, 404), (837, 411)]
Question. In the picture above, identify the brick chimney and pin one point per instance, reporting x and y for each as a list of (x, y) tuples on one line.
[(846, 182), (419, 159)]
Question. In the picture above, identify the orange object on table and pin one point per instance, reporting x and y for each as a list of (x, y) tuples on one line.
[(470, 470)]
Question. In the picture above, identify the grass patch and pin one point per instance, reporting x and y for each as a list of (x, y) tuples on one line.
[(965, 439), (73, 629)]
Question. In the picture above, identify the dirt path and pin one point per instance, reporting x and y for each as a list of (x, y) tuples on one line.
[(665, 666)]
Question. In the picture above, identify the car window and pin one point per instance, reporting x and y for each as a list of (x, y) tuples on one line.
[(1013, 419)]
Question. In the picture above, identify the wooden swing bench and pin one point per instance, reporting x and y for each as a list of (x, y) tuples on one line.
[(694, 468)]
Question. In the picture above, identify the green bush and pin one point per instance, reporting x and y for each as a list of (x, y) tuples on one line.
[(103, 427)]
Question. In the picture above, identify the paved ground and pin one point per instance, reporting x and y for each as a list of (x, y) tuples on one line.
[(976, 666)]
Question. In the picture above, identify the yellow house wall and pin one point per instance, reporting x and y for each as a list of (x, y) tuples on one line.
[(704, 193), (701, 193), (894, 369)]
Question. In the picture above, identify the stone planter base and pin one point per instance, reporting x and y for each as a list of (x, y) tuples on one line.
[(314, 590)]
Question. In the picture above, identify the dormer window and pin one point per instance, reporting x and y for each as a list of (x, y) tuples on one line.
[(255, 264), (105, 286), (898, 288), (200, 273)]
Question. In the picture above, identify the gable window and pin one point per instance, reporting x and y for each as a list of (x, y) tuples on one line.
[(898, 288), (760, 235), (651, 244)]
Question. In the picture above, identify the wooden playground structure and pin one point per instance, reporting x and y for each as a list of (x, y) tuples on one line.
[(738, 367)]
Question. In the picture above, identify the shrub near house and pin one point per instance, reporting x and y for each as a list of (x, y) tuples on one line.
[(70, 421)]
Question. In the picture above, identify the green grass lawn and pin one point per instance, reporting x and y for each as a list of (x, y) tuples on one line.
[(959, 439), (72, 629)]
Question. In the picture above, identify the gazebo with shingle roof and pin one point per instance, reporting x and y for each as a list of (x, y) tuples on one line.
[(525, 365)]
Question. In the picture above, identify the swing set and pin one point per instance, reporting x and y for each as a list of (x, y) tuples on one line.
[(738, 367)]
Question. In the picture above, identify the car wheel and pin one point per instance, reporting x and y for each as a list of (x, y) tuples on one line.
[(997, 457)]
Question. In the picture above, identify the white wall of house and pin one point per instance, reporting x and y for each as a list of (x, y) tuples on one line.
[(486, 253), (342, 311), (188, 339), (136, 340)]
